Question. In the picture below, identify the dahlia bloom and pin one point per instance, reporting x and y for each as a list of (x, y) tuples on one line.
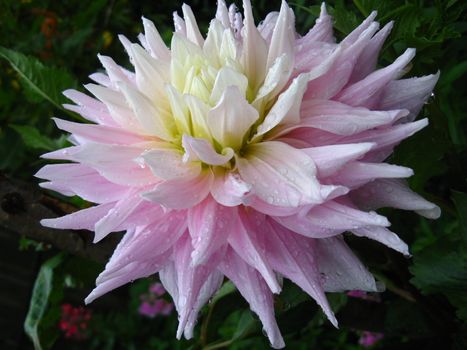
[(244, 154)]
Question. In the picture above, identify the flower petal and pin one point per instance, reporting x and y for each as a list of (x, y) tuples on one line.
[(283, 36), (341, 269), (255, 50), (364, 92), (229, 125), (198, 149), (329, 159), (394, 193), (383, 235), (82, 219), (152, 120), (252, 287), (228, 188), (250, 246), (280, 174), (99, 133), (409, 93), (154, 41), (367, 61), (77, 179), (117, 215), (173, 193), (356, 174), (192, 30), (209, 225), (321, 31), (167, 164), (293, 256)]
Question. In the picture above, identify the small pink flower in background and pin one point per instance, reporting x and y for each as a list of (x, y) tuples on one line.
[(74, 321), (151, 305), (246, 154), (368, 339), (359, 294)]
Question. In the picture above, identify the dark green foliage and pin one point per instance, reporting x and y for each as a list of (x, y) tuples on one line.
[(48, 46)]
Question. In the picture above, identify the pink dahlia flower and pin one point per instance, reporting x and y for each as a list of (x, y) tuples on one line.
[(245, 154)]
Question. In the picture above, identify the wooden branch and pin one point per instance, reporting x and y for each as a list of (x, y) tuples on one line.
[(23, 205)]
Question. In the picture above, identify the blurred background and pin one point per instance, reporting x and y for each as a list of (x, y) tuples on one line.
[(48, 46)]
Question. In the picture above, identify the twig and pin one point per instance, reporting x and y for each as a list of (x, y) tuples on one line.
[(23, 206)]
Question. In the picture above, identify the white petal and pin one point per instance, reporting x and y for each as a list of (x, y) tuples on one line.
[(199, 114), (228, 77), (287, 107), (154, 41), (228, 125), (283, 37), (202, 150), (167, 164), (180, 111), (152, 120), (151, 73), (192, 30), (222, 14), (255, 49)]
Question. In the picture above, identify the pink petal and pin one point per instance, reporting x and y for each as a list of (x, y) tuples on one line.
[(340, 268), (409, 93), (98, 133), (253, 288), (77, 179), (330, 83), (290, 172), (189, 280), (357, 174), (321, 31), (293, 256), (266, 27), (181, 193), (228, 188), (386, 137), (149, 241), (394, 193), (209, 225), (114, 162), (82, 219), (117, 215), (365, 92), (89, 108), (383, 235), (250, 246), (329, 159), (367, 61)]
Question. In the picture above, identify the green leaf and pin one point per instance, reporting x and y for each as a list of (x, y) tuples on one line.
[(38, 79), (41, 294), (442, 268), (460, 201), (34, 139)]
